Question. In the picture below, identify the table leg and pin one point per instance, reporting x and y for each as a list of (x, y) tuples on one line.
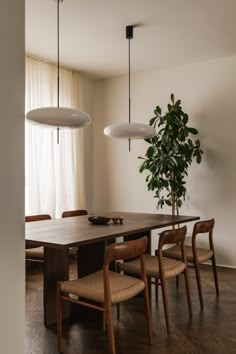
[(90, 258), (56, 267), (139, 235)]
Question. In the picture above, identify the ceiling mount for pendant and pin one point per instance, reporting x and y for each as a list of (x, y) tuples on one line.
[(129, 130), (129, 32), (59, 117)]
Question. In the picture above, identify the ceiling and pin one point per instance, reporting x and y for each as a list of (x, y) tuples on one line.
[(92, 33)]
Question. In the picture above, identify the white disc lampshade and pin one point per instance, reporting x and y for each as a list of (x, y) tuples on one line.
[(58, 117), (129, 131)]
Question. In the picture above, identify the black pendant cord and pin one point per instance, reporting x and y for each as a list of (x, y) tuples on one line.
[(58, 66), (129, 36), (129, 97)]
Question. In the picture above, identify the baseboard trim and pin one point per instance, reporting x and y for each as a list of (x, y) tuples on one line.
[(221, 265)]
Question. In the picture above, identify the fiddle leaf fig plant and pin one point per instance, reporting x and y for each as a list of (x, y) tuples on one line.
[(169, 155)]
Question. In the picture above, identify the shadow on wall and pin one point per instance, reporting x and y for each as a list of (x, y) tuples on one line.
[(214, 193), (217, 124)]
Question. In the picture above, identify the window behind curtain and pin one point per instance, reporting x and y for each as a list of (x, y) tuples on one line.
[(54, 173)]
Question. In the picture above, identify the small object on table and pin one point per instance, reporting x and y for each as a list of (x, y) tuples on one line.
[(118, 220), (99, 220)]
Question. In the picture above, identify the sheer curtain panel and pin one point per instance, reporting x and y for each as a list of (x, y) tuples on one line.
[(54, 172)]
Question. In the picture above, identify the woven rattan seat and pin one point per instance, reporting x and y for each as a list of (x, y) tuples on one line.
[(122, 287), (175, 253), (171, 267)]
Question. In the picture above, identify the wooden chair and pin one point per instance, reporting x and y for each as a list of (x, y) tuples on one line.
[(161, 268), (70, 213), (34, 254), (197, 255), (106, 288)]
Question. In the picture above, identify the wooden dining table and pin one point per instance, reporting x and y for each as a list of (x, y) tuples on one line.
[(59, 235)]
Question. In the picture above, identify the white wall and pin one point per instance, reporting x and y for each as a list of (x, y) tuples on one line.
[(208, 94), (12, 177)]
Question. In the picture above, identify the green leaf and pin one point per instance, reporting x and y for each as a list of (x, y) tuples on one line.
[(157, 110), (178, 103), (190, 143), (192, 131), (168, 202), (148, 140), (152, 121), (199, 159), (197, 142), (185, 119), (150, 152), (142, 167), (179, 203), (172, 97)]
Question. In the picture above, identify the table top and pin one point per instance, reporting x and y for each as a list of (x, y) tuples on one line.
[(75, 231)]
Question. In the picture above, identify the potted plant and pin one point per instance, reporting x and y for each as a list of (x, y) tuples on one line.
[(169, 155)]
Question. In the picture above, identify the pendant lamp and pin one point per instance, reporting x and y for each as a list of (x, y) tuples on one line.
[(129, 130), (60, 117)]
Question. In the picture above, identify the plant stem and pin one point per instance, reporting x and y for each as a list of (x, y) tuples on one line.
[(173, 202), (173, 195)]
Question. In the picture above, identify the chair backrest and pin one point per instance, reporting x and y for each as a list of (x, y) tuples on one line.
[(70, 213), (30, 218), (172, 236), (201, 227), (169, 237), (125, 250)]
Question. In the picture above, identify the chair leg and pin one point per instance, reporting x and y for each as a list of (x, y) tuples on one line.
[(104, 321), (148, 315), (110, 330), (197, 271), (188, 292), (156, 290), (118, 311), (59, 318), (165, 302), (215, 274), (177, 281), (156, 285), (118, 305)]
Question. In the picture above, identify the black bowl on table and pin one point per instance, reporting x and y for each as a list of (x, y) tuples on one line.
[(99, 220)]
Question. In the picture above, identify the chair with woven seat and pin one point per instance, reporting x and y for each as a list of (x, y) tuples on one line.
[(106, 287), (71, 213), (35, 254), (198, 255), (161, 268)]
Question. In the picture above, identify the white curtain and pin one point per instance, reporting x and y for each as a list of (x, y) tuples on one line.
[(54, 172)]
